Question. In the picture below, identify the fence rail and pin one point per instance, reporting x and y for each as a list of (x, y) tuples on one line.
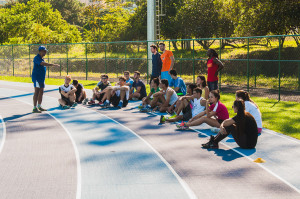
[(262, 64)]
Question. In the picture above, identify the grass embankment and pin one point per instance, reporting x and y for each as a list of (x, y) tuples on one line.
[(282, 117)]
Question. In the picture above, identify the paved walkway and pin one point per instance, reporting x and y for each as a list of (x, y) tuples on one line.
[(127, 154)]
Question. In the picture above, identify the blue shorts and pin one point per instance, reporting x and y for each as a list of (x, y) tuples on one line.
[(212, 85), (166, 75), (39, 84)]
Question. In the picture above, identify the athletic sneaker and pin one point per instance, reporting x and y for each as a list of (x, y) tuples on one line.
[(146, 109), (91, 102), (74, 104), (85, 101), (141, 106), (42, 109), (100, 103), (215, 130), (105, 104), (120, 105), (182, 126), (172, 116), (66, 107), (162, 119), (36, 110), (211, 144)]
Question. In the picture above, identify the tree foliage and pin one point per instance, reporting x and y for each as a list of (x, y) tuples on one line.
[(35, 22)]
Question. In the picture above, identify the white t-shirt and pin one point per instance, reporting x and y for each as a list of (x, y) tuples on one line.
[(254, 111), (174, 96), (66, 89), (118, 92), (197, 108)]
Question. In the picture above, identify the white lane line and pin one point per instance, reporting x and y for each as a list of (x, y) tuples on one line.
[(282, 136), (190, 193), (78, 192), (271, 172), (4, 134)]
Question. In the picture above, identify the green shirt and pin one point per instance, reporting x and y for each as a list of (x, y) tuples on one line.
[(153, 90)]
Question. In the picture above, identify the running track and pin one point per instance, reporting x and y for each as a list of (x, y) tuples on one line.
[(92, 153)]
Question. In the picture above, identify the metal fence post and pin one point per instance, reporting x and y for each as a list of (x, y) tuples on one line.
[(13, 60), (180, 67), (279, 58), (299, 76), (29, 61), (147, 62), (48, 61), (59, 67), (105, 59), (193, 61), (86, 62), (169, 45), (67, 59), (248, 64), (255, 74), (125, 59), (220, 56)]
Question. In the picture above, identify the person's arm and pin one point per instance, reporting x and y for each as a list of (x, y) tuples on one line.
[(168, 98), (219, 63), (131, 90), (172, 62), (206, 93), (225, 123), (48, 64), (148, 96), (138, 89), (158, 93), (72, 91), (197, 116), (203, 102), (187, 97)]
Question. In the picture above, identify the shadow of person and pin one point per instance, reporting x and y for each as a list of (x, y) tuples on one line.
[(230, 154)]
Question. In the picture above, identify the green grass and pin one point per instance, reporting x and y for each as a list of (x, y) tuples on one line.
[(282, 117)]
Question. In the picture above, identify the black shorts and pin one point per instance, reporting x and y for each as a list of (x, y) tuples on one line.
[(77, 98), (115, 101), (220, 121), (100, 97), (67, 100), (187, 113)]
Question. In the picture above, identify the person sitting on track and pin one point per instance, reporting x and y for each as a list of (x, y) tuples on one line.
[(177, 83), (67, 92), (165, 97), (201, 82), (242, 127), (147, 102), (216, 110), (98, 91), (173, 109), (80, 93), (138, 90), (117, 95), (250, 107), (190, 106)]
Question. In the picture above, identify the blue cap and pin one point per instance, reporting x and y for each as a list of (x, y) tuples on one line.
[(42, 48)]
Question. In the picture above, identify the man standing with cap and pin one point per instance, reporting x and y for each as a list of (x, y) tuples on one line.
[(38, 79)]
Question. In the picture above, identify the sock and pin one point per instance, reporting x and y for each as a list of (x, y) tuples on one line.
[(219, 137), (39, 105), (107, 101), (121, 101)]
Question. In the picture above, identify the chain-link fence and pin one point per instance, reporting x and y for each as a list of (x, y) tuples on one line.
[(266, 66)]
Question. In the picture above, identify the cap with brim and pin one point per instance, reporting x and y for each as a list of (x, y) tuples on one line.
[(42, 48)]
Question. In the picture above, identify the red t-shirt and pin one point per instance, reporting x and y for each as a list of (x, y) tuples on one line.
[(222, 111), (211, 70)]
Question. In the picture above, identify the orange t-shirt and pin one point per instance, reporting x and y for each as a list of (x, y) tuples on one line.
[(166, 60)]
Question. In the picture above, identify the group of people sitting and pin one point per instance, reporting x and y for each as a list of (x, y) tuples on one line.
[(193, 104)]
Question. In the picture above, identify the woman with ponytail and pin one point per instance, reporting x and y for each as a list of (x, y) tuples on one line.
[(251, 107), (201, 82), (242, 127)]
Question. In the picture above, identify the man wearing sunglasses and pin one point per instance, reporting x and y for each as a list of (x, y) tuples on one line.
[(98, 91)]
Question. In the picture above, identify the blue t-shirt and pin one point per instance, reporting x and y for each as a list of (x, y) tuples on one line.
[(130, 81), (38, 71), (156, 65), (141, 84), (180, 84)]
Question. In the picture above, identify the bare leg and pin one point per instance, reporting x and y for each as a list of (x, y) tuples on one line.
[(61, 102), (72, 97), (35, 96), (122, 95), (40, 97), (84, 95), (204, 119)]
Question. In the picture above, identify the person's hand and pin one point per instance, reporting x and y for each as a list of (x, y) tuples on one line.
[(170, 109), (57, 65)]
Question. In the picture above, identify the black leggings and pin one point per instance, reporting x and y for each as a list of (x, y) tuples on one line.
[(240, 138)]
